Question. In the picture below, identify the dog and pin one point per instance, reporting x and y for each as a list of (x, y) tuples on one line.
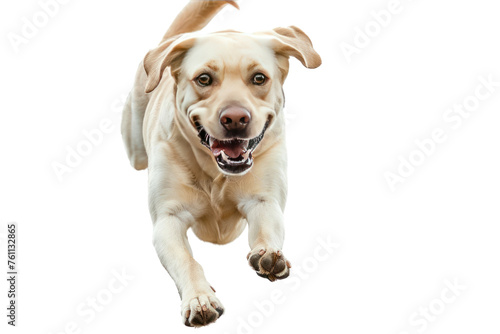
[(205, 116)]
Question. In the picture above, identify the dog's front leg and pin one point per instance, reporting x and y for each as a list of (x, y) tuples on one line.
[(266, 234), (199, 305)]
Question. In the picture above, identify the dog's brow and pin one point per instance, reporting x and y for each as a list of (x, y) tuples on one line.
[(213, 66), (252, 66)]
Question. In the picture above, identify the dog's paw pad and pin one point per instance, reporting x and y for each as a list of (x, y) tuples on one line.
[(269, 264)]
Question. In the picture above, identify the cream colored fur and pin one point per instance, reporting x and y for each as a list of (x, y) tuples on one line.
[(186, 187)]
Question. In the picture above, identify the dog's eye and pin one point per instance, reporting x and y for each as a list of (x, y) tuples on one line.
[(204, 80), (259, 79)]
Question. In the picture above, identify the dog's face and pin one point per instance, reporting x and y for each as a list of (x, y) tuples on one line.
[(229, 87)]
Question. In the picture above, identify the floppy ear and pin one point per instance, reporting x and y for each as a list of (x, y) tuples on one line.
[(168, 53), (291, 41)]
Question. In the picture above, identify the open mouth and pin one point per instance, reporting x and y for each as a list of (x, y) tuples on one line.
[(233, 156)]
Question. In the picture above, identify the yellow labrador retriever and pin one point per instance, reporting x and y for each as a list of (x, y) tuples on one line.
[(206, 117)]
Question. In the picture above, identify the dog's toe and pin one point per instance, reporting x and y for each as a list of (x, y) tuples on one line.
[(202, 310)]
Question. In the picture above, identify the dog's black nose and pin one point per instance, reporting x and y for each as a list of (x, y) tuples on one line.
[(235, 118)]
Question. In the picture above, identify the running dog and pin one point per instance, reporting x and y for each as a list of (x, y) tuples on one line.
[(205, 116)]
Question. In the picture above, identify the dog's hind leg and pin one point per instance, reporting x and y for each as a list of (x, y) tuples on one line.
[(132, 121)]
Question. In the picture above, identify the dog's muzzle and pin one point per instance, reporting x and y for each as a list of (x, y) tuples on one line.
[(233, 156)]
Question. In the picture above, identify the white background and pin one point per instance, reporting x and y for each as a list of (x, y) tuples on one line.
[(348, 124)]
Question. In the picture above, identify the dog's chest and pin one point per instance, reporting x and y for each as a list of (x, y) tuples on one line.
[(221, 221)]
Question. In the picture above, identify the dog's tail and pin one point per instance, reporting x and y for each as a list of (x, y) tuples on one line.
[(196, 15)]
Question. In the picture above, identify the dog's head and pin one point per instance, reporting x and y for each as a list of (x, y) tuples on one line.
[(228, 86)]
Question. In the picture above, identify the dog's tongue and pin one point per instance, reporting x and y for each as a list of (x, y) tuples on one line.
[(232, 149)]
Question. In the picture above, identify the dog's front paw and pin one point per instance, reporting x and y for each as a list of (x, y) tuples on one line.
[(269, 264), (201, 310)]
